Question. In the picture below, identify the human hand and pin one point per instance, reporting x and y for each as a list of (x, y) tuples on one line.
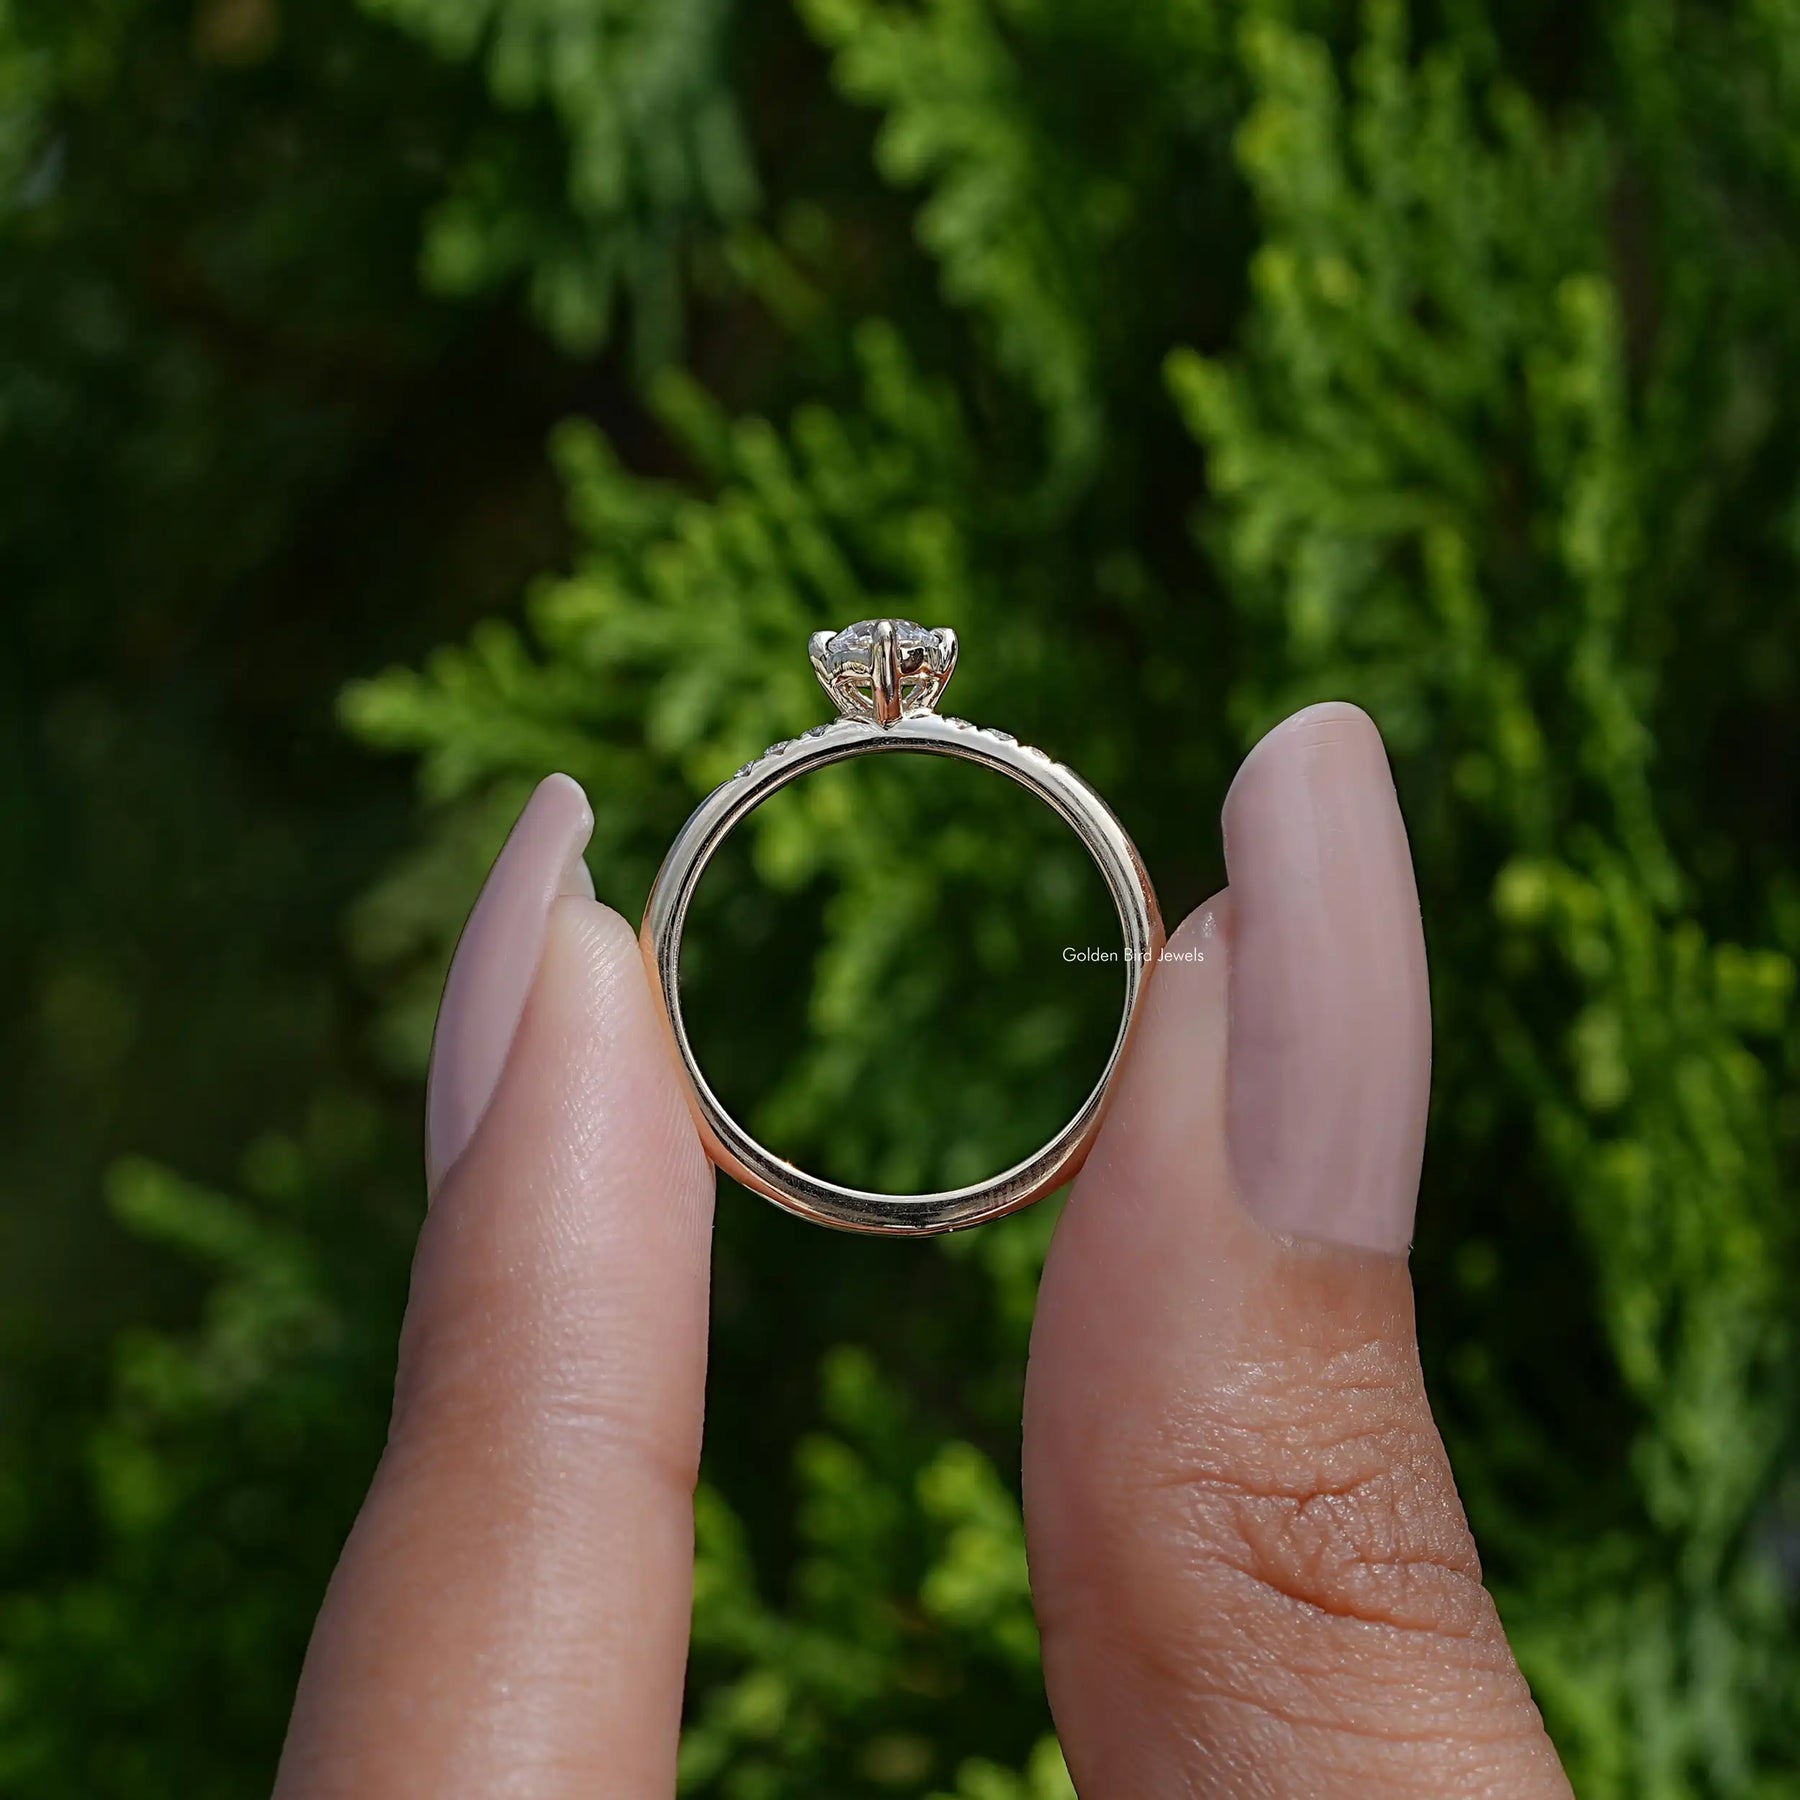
[(1250, 1565)]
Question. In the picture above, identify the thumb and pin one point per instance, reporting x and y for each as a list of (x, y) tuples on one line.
[(1251, 1567)]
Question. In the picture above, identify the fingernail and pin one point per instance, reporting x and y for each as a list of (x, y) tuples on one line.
[(496, 959), (1330, 1053)]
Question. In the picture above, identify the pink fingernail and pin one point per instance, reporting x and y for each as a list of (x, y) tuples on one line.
[(1330, 1061), (495, 961)]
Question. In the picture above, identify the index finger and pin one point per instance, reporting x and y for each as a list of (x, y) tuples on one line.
[(510, 1614)]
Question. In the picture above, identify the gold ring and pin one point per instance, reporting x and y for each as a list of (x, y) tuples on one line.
[(886, 676)]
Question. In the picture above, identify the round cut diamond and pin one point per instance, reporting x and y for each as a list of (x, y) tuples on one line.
[(845, 662), (848, 652)]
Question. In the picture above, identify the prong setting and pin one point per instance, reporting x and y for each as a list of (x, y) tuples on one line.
[(884, 673), (884, 670)]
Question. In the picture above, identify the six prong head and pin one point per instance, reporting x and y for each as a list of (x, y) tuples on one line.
[(883, 670)]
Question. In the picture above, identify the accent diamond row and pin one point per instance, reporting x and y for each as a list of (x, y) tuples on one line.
[(991, 732)]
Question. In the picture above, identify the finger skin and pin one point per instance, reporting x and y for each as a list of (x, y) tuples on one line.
[(1252, 1572), (510, 1615)]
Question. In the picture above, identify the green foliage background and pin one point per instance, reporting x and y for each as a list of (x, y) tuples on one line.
[(571, 360)]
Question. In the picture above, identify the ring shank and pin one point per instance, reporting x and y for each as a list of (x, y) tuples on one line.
[(665, 916)]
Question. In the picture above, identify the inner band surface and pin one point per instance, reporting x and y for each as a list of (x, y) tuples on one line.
[(665, 920)]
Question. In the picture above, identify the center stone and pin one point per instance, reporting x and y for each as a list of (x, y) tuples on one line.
[(848, 652), (924, 661)]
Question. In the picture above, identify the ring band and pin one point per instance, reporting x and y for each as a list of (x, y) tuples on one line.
[(886, 676)]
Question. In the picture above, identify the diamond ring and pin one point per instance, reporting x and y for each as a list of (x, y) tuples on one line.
[(885, 677)]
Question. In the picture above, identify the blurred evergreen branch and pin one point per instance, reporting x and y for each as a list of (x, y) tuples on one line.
[(655, 156)]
